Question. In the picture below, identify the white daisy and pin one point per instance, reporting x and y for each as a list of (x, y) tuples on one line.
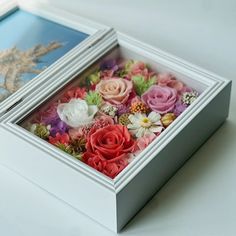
[(141, 124)]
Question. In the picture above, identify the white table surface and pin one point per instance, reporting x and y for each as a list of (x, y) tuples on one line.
[(201, 198)]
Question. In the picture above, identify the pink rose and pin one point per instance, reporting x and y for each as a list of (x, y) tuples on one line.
[(103, 121), (115, 90), (170, 81), (144, 141), (160, 99), (78, 133), (139, 68), (106, 74)]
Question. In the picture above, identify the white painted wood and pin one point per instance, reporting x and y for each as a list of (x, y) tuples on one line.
[(151, 169), (95, 30), (60, 179), (161, 165), (7, 6), (61, 16)]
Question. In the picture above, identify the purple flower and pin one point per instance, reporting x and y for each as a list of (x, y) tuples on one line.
[(50, 119), (58, 126), (109, 65), (48, 115), (160, 99), (122, 108), (179, 108)]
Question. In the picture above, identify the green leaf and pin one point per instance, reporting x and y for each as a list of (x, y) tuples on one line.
[(93, 98), (141, 85)]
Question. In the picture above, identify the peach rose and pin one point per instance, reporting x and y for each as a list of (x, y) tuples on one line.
[(115, 90)]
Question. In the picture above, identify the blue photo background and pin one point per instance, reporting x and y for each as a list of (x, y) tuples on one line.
[(25, 31)]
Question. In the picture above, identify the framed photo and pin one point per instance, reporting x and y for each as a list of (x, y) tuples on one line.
[(36, 41)]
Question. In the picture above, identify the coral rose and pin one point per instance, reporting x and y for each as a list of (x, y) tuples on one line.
[(108, 149), (160, 99), (115, 90), (76, 92)]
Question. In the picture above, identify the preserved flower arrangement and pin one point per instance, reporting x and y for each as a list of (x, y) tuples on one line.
[(112, 115)]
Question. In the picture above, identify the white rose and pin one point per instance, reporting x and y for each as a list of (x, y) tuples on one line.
[(76, 113)]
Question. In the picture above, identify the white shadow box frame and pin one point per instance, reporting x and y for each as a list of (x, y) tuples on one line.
[(113, 203)]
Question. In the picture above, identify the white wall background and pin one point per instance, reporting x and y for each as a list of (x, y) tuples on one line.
[(202, 31), (200, 199)]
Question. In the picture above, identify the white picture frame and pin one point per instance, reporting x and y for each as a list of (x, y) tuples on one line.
[(94, 30)]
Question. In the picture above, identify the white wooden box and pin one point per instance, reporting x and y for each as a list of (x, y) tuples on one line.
[(113, 203), (90, 32)]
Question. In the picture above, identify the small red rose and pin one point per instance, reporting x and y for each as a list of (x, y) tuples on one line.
[(59, 139), (76, 92)]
